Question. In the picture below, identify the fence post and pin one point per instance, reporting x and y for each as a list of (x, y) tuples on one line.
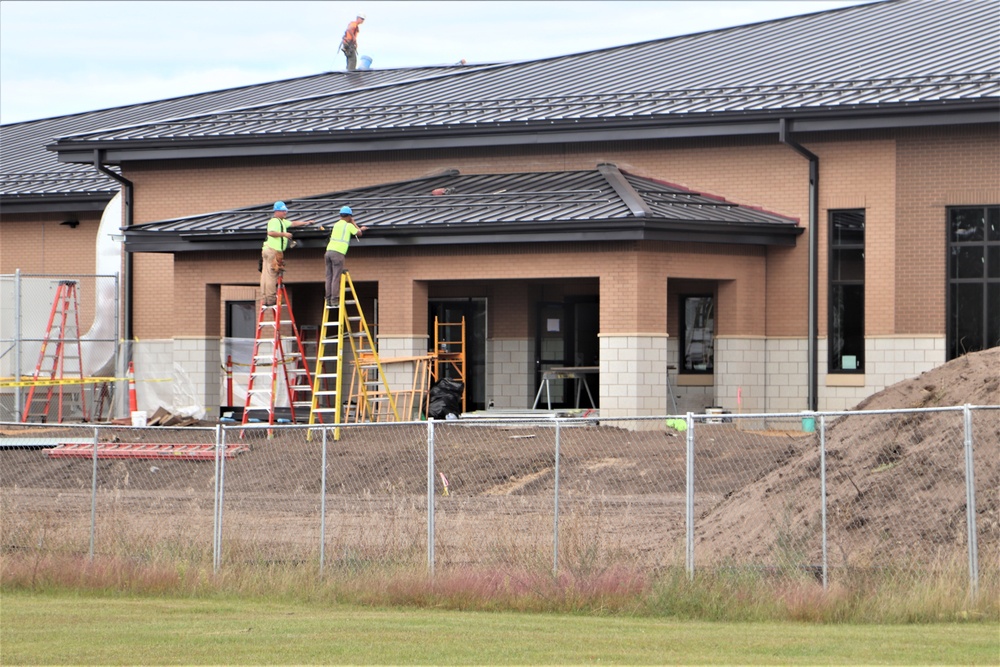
[(822, 492), (689, 499), (93, 494), (430, 495), (555, 514), (970, 502), (322, 509), (220, 468)]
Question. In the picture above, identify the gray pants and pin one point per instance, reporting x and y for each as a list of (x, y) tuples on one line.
[(334, 262)]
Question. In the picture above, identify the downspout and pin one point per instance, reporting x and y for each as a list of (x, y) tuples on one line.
[(127, 190), (784, 136)]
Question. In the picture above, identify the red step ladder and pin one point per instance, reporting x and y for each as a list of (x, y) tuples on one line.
[(273, 351), (60, 361)]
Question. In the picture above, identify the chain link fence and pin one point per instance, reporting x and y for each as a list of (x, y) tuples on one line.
[(835, 496)]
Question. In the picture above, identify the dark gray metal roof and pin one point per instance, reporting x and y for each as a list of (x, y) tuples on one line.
[(604, 204), (898, 56), (29, 171)]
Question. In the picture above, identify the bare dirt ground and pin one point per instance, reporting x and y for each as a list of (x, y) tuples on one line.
[(895, 484)]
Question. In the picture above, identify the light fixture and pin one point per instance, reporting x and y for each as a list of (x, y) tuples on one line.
[(72, 224)]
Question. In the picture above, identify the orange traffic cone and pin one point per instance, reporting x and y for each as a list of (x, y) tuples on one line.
[(133, 404)]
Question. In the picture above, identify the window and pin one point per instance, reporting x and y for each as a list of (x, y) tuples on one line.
[(698, 328), (973, 279), (846, 312), (241, 319)]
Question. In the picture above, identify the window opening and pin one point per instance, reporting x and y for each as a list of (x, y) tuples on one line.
[(973, 279), (846, 313), (697, 322)]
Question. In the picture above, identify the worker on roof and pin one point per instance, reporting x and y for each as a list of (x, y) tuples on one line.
[(272, 254), (349, 42), (340, 241)]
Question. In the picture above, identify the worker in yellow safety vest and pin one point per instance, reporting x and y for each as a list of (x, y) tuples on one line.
[(336, 249)]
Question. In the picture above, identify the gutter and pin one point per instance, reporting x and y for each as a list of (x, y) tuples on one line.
[(127, 195), (784, 135)]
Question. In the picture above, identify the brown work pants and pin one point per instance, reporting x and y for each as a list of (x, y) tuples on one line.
[(272, 267)]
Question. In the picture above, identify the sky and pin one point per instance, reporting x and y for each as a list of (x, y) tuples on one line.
[(59, 58)]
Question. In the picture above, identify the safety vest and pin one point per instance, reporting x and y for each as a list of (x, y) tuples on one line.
[(340, 237), (278, 243)]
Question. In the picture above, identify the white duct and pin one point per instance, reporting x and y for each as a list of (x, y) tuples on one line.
[(99, 342)]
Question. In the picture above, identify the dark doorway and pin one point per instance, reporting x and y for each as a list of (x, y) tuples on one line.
[(474, 312), (566, 336)]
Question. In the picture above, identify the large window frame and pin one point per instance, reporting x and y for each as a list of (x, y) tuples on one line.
[(846, 292), (973, 294)]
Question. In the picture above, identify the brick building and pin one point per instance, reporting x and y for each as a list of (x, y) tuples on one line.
[(780, 216)]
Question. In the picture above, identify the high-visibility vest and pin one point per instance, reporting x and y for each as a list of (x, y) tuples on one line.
[(278, 243), (340, 237)]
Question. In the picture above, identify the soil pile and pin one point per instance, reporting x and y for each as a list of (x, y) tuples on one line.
[(896, 483)]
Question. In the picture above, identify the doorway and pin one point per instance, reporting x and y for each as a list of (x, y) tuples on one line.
[(566, 336), (474, 312)]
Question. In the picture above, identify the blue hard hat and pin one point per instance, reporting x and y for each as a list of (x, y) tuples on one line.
[(346, 210), (280, 206)]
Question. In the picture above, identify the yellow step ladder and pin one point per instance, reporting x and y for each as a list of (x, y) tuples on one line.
[(368, 396)]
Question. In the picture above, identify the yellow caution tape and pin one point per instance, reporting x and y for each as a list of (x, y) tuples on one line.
[(54, 382)]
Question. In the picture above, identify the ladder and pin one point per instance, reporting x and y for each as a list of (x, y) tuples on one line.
[(449, 353), (369, 398), (273, 350), (59, 364)]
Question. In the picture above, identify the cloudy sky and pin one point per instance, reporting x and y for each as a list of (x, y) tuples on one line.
[(66, 57)]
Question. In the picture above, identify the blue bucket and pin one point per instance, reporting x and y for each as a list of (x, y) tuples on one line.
[(366, 62)]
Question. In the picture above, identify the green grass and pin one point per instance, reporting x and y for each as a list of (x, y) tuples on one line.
[(61, 627)]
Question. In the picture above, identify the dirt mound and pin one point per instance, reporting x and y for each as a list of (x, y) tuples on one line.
[(895, 482)]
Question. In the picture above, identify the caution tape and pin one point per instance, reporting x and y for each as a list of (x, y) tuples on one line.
[(55, 382)]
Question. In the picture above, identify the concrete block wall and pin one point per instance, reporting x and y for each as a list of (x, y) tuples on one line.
[(200, 383), (741, 370), (633, 375), (511, 380)]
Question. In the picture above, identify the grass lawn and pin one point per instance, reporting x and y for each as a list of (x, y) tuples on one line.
[(87, 629)]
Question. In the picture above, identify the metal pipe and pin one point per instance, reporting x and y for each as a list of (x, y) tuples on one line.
[(555, 511), (430, 496), (822, 494), (689, 498), (128, 189), (784, 135), (970, 503)]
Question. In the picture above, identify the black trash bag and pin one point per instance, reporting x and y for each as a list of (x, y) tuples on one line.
[(445, 398)]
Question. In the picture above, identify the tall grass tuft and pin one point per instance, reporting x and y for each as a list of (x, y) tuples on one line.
[(726, 594)]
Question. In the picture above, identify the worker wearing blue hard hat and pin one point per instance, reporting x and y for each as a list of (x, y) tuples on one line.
[(336, 249), (272, 254)]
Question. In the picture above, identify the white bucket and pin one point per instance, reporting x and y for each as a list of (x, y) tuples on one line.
[(139, 418), (714, 411)]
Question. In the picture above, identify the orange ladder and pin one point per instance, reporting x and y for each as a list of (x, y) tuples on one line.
[(60, 366), (269, 354)]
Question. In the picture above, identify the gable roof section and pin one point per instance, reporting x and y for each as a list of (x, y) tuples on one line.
[(909, 58), (30, 174), (600, 205)]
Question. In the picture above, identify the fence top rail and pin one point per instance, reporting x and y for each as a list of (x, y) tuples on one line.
[(547, 420)]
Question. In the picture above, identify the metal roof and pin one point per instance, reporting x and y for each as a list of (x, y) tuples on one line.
[(898, 56), (29, 171), (604, 204)]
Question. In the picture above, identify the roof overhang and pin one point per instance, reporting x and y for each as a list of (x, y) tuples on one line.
[(980, 111), (54, 203), (591, 232)]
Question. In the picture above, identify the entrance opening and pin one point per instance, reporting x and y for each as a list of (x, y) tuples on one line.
[(566, 337), (474, 312)]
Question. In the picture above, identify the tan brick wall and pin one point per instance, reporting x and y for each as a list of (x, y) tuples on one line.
[(936, 169), (903, 179), (37, 243)]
